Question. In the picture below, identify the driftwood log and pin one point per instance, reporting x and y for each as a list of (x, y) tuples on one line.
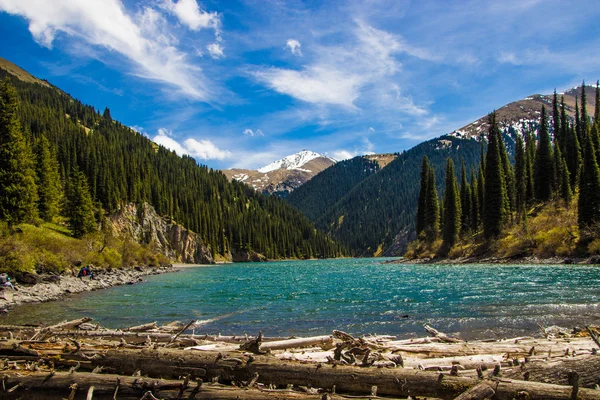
[(237, 367), (133, 388)]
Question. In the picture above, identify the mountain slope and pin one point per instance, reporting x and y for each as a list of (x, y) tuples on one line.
[(375, 214), (526, 112), (124, 167), (283, 176), (319, 194)]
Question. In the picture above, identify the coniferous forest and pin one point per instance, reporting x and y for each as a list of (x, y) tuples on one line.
[(63, 160), (547, 202)]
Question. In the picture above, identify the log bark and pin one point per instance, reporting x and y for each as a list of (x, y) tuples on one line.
[(237, 367), (322, 341), (557, 371), (143, 328), (131, 388), (478, 392), (440, 335)]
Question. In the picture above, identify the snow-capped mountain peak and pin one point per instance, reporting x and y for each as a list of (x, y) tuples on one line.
[(294, 161)]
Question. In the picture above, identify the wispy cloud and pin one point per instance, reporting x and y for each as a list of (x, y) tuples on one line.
[(250, 132), (189, 13), (215, 50), (203, 149), (295, 47), (143, 38)]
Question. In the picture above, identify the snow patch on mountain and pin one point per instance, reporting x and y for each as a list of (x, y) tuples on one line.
[(294, 161)]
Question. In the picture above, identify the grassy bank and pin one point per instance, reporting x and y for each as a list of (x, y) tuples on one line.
[(545, 232), (50, 248)]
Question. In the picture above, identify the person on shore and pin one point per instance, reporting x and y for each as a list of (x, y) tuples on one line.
[(86, 271), (5, 281)]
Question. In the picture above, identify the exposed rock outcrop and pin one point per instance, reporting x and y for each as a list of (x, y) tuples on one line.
[(247, 256), (144, 225)]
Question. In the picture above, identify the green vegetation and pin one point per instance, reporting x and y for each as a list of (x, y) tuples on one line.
[(547, 215), (87, 166), (50, 248)]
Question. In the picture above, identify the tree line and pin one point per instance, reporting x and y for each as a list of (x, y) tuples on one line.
[(63, 160), (497, 194)]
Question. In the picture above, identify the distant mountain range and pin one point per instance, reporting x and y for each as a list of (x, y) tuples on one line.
[(281, 177)]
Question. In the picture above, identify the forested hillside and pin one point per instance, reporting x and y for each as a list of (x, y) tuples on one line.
[(316, 196), (114, 165), (547, 204), (373, 208)]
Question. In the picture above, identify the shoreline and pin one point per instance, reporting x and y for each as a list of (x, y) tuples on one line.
[(529, 260), (55, 287)]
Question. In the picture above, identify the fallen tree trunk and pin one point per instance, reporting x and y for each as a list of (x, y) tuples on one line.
[(587, 366), (131, 388), (322, 341), (238, 367)]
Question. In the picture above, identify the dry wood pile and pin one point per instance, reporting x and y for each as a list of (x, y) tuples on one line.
[(81, 360)]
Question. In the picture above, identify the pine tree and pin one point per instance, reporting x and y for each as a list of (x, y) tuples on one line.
[(465, 200), (584, 119), (421, 205), (544, 165), (556, 118), (529, 162), (18, 192), (452, 207), (474, 202), (573, 156), (509, 178), (495, 197), (432, 209), (49, 186), (521, 177), (563, 184), (80, 207), (589, 189), (481, 180)]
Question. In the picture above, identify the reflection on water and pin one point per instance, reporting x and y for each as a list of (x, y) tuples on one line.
[(360, 296)]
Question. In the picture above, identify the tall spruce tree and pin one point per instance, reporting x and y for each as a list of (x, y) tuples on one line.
[(556, 118), (49, 186), (584, 118), (495, 197), (452, 207), (474, 202), (521, 178), (80, 207), (465, 200), (530, 145), (509, 178), (589, 189), (432, 209), (573, 156), (563, 184), (421, 205), (18, 192), (544, 163)]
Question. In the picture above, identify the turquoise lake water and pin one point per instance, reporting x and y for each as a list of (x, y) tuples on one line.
[(360, 296)]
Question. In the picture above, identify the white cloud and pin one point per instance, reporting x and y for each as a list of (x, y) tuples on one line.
[(341, 155), (203, 148), (339, 74), (250, 132), (215, 50), (295, 47), (321, 85), (144, 38), (189, 13)]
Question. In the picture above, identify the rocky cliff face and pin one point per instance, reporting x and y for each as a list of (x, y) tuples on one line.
[(144, 225)]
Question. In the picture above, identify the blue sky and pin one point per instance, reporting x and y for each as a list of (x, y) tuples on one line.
[(242, 83)]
